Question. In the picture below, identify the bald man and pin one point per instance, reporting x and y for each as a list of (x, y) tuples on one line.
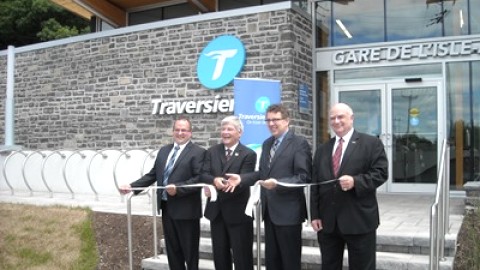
[(345, 212)]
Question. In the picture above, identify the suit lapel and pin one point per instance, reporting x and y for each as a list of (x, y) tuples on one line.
[(285, 142), (181, 156), (352, 145), (235, 155), (329, 151)]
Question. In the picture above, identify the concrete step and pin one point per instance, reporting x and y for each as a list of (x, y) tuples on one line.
[(387, 241), (311, 258)]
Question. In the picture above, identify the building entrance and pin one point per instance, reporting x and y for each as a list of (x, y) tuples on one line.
[(406, 116)]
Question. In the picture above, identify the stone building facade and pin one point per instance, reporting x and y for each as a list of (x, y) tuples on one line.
[(95, 91)]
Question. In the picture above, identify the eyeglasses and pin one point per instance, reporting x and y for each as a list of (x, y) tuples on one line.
[(273, 120), (178, 131)]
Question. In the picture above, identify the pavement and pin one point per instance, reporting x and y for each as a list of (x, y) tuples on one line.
[(400, 213)]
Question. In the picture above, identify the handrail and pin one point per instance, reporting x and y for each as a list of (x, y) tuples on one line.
[(439, 215), (258, 222), (44, 162), (4, 169), (64, 170), (23, 170), (129, 223)]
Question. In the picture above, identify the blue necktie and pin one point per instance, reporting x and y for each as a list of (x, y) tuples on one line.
[(168, 170)]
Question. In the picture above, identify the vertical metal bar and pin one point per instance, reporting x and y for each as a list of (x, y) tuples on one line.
[(154, 214), (129, 230), (433, 238), (258, 222), (9, 98)]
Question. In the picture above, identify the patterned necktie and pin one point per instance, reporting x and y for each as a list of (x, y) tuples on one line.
[(273, 149), (168, 170), (336, 157), (229, 154)]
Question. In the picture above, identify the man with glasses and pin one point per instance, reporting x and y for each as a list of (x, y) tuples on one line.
[(286, 158), (177, 164)]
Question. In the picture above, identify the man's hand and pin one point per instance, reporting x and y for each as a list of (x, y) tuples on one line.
[(220, 183), (232, 181), (171, 189), (125, 189), (346, 182), (317, 225), (269, 183)]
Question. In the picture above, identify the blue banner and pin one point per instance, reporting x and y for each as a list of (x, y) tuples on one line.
[(252, 98)]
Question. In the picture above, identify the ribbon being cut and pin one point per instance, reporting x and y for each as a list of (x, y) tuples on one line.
[(256, 189), (213, 191)]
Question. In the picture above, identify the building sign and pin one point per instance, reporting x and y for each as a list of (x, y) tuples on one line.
[(418, 51), (252, 98), (218, 104), (220, 62), (303, 103)]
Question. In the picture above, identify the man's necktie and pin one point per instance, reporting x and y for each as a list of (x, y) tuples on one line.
[(337, 156), (168, 170), (273, 149), (228, 155)]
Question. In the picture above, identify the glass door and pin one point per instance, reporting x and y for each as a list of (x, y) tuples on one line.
[(406, 117), (417, 131)]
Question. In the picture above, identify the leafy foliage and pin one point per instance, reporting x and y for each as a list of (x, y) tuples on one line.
[(24, 22)]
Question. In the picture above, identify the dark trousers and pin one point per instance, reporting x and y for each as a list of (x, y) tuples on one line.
[(361, 250), (182, 238), (232, 239), (283, 246)]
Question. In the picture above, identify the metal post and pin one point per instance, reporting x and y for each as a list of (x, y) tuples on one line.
[(155, 211), (9, 101), (258, 222), (129, 230)]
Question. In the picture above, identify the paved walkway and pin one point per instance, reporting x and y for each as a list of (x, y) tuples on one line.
[(401, 213)]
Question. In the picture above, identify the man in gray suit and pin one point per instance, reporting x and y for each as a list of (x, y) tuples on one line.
[(231, 228), (345, 212), (179, 163), (286, 158)]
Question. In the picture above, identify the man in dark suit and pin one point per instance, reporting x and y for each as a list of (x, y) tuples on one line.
[(286, 158), (231, 228), (345, 212), (178, 164)]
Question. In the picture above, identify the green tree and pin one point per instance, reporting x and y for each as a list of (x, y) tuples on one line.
[(24, 22)]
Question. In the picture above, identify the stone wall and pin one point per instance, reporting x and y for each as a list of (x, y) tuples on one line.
[(96, 93)]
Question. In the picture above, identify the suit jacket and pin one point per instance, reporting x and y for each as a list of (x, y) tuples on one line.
[(354, 211), (292, 163), (230, 205), (187, 203)]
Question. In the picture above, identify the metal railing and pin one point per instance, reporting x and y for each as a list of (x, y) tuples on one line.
[(13, 165), (129, 223), (439, 215)]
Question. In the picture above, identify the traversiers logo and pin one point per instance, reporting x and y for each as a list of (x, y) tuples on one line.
[(220, 62), (262, 104)]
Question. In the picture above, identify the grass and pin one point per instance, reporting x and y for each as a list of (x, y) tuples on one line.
[(41, 238)]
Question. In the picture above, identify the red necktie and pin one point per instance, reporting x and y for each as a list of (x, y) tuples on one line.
[(336, 157)]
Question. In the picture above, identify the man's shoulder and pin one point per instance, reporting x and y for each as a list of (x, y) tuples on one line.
[(245, 148)]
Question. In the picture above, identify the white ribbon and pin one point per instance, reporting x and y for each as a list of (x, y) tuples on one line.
[(212, 189), (256, 190)]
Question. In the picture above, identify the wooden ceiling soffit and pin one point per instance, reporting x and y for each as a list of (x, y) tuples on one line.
[(204, 5), (106, 11), (74, 8)]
